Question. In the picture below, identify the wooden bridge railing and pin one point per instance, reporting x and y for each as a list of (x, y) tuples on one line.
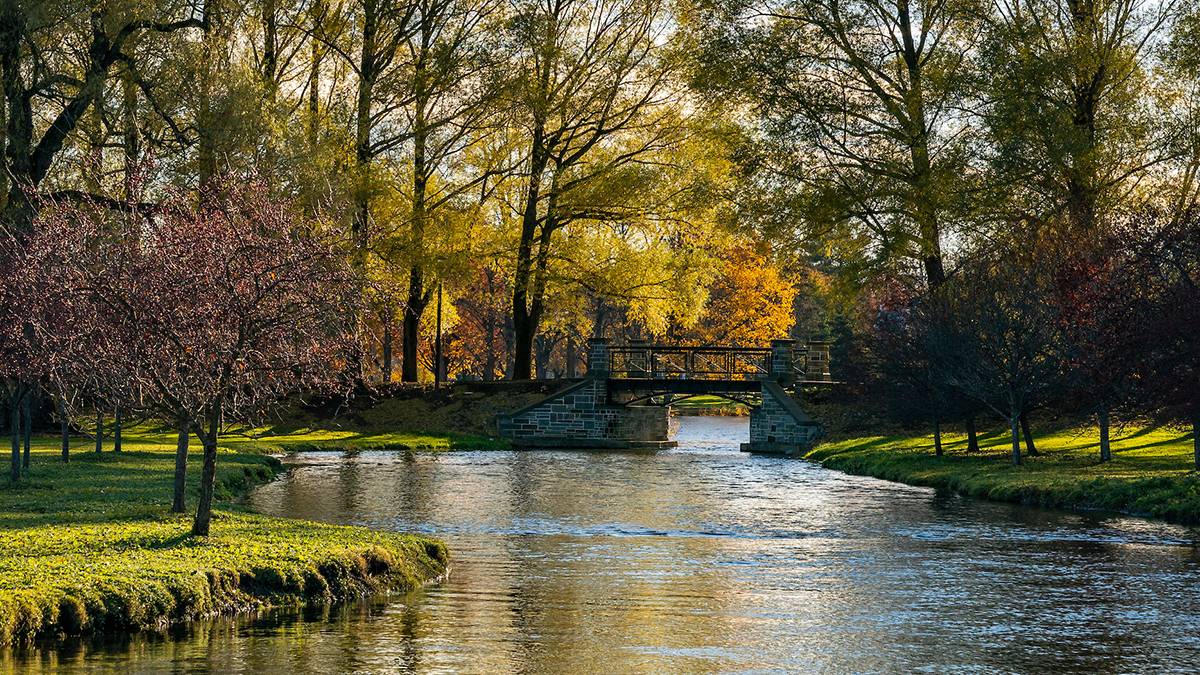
[(808, 363), (660, 362)]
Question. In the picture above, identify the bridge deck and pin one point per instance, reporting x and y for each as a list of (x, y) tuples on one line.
[(635, 385)]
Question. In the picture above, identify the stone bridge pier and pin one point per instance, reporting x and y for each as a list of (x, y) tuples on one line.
[(613, 406), (583, 416)]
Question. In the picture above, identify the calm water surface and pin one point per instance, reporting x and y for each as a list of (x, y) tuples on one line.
[(703, 559)]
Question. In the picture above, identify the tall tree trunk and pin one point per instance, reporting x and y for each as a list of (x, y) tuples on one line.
[(270, 68), (1105, 445), (922, 172), (489, 366), (439, 358), (206, 124), (64, 424), (363, 156), (99, 431), (418, 301), (937, 437), (522, 347), (179, 500), (362, 130), (541, 357), (418, 295), (972, 435), (15, 431), (208, 478), (18, 209), (117, 419), (537, 292), (1030, 448), (27, 425), (524, 325), (409, 345), (131, 140), (92, 128), (316, 56), (572, 357), (1014, 425)]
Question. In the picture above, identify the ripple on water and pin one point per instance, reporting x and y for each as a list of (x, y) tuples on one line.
[(707, 559)]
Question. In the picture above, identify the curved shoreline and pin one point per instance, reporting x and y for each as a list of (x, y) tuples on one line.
[(1149, 476), (114, 561)]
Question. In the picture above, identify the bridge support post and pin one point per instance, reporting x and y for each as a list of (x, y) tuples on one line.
[(597, 358), (781, 359), (583, 416), (780, 425)]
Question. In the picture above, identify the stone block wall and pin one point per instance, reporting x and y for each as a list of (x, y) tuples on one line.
[(780, 424), (581, 415)]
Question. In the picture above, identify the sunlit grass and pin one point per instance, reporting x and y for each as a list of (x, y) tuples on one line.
[(91, 546), (276, 440), (709, 405), (1151, 472)]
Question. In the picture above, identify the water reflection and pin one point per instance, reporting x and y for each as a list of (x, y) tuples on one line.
[(704, 559)]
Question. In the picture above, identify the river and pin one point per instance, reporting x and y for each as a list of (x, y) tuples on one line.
[(704, 559)]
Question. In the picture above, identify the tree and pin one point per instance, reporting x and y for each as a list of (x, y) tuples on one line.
[(1098, 308), (592, 89), (220, 309), (1165, 271), (451, 96), (40, 75), (906, 338), (861, 105), (1071, 125), (482, 308), (1001, 348), (16, 365), (749, 302)]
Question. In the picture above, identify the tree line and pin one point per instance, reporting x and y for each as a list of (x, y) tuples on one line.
[(1005, 193), (991, 206), (208, 206)]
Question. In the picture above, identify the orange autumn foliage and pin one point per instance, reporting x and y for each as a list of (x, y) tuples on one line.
[(750, 302)]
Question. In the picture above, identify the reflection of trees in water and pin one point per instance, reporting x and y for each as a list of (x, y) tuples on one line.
[(581, 599), (800, 567)]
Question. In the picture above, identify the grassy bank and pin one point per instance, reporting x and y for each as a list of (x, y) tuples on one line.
[(709, 406), (459, 417), (341, 437), (90, 547), (1150, 474)]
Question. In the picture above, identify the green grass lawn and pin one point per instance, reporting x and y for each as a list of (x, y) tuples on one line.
[(452, 419), (278, 439), (90, 546), (1151, 472), (709, 405)]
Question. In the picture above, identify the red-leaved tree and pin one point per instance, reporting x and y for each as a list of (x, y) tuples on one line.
[(1164, 278), (214, 310)]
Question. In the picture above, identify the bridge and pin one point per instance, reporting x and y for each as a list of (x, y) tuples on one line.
[(624, 401)]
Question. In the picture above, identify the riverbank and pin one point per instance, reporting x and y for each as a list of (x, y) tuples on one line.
[(1150, 474), (89, 547), (709, 406), (456, 417)]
